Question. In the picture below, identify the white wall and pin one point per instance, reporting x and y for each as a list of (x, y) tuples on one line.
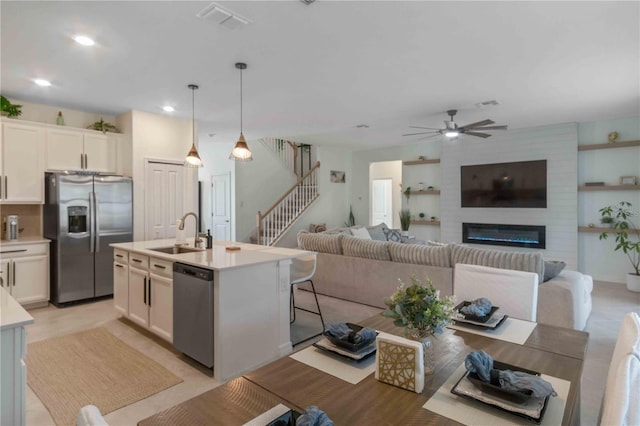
[(360, 182), (598, 258), (558, 145), (158, 137), (215, 158), (388, 170)]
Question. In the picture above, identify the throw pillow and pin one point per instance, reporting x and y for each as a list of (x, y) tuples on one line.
[(552, 268), (317, 227), (361, 233), (392, 235), (377, 232)]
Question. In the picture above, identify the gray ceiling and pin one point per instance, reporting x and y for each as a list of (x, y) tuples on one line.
[(317, 71)]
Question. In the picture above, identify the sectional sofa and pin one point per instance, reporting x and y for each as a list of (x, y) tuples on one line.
[(367, 271)]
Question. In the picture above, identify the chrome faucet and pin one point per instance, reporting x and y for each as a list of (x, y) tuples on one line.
[(181, 227)]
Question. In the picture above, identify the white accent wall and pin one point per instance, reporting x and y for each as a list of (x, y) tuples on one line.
[(558, 145), (597, 257)]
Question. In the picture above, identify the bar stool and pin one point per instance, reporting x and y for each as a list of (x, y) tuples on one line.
[(302, 269)]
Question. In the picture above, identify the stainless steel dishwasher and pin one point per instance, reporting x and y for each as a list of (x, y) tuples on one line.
[(193, 312)]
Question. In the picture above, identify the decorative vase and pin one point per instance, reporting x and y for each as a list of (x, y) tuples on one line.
[(404, 233), (425, 337)]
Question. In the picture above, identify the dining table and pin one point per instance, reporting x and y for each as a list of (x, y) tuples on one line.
[(549, 350)]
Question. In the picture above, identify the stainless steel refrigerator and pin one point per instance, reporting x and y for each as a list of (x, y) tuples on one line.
[(83, 214)]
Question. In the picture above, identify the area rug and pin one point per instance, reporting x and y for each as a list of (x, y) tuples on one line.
[(91, 367)]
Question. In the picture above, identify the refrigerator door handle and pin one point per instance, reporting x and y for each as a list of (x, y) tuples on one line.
[(92, 241), (96, 220)]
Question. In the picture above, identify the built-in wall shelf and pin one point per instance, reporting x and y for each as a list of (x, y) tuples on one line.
[(611, 145), (599, 230), (426, 222), (608, 188), (426, 192), (418, 162)]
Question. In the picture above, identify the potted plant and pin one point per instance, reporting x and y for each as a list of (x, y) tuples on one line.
[(405, 221), (351, 221), (420, 310), (103, 126), (407, 193), (607, 221), (8, 109), (421, 215), (627, 238)]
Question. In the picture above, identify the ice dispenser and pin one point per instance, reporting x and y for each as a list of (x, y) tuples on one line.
[(77, 219)]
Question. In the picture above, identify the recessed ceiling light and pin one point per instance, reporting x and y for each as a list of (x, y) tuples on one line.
[(362, 126), (84, 40), (41, 82), (168, 108)]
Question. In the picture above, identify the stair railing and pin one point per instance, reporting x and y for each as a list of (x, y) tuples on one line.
[(283, 213), (286, 150)]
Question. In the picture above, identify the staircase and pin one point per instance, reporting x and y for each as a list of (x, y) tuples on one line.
[(278, 218), (291, 154)]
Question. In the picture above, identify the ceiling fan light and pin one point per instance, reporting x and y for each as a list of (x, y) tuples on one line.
[(451, 133), (241, 151)]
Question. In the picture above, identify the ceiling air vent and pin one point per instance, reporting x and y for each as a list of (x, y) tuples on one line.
[(307, 2), (492, 102), (222, 16)]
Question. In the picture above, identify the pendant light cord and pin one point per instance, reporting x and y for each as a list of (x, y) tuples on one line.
[(193, 114), (240, 100)]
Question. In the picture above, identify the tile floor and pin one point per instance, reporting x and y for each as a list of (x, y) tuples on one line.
[(610, 303)]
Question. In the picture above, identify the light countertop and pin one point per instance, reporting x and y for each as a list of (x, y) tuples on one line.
[(23, 240), (11, 313), (216, 258)]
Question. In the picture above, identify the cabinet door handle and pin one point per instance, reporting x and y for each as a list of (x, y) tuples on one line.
[(6, 187), (137, 260), (119, 266), (149, 291), (159, 266), (119, 255), (86, 161), (145, 290), (81, 161), (12, 251), (14, 273)]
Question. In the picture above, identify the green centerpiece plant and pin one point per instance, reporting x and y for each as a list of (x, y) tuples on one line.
[(422, 312), (8, 109), (405, 219)]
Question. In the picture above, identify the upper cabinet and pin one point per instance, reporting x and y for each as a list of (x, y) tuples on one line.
[(21, 163), (69, 149)]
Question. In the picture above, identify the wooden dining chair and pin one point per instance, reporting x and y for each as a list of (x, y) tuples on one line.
[(621, 401), (515, 292)]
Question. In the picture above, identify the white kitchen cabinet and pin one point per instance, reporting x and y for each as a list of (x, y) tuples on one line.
[(161, 306), (71, 149), (121, 287), (150, 292), (21, 163), (25, 272)]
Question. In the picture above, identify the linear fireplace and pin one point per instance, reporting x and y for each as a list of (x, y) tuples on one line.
[(504, 235)]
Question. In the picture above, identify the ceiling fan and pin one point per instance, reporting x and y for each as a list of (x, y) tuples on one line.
[(452, 130)]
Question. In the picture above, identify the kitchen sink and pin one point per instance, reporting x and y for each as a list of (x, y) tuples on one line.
[(175, 249)]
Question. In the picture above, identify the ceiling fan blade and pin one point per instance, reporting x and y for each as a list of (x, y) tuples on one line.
[(420, 133), (491, 128), (418, 127), (477, 124), (480, 135), (427, 137)]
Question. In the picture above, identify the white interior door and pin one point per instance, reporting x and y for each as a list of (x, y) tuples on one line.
[(381, 203), (221, 207), (163, 199)]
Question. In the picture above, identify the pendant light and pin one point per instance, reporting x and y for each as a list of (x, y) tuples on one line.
[(241, 151), (193, 159)]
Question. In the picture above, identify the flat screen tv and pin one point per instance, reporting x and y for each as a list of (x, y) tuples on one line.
[(518, 184)]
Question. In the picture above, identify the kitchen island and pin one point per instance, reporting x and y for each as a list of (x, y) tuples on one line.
[(250, 297)]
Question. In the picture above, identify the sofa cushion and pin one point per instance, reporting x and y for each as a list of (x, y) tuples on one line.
[(392, 234), (377, 232), (368, 249), (519, 261), (552, 268), (421, 254), (324, 243), (361, 233)]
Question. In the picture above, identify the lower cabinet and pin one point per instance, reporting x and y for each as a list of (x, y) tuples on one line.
[(24, 272), (143, 292)]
